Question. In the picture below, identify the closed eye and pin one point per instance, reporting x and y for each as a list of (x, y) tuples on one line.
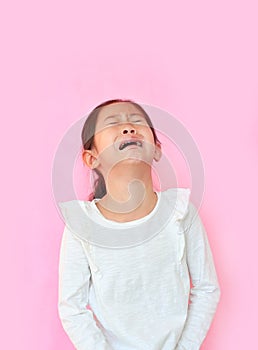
[(142, 121), (133, 121)]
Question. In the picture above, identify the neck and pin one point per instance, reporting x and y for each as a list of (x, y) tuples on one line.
[(129, 189)]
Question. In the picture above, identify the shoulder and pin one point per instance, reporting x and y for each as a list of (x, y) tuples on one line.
[(73, 203), (185, 211), (178, 199), (75, 214), (73, 207), (180, 193)]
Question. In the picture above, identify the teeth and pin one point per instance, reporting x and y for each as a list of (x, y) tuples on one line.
[(124, 144)]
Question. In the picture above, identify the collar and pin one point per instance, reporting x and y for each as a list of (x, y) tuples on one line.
[(171, 206)]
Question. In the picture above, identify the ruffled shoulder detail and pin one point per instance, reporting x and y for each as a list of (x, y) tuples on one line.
[(172, 205), (179, 198), (75, 216)]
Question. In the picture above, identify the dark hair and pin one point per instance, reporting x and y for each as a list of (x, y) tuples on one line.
[(87, 136)]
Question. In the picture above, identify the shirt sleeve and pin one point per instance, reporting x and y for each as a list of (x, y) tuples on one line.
[(74, 277), (205, 293)]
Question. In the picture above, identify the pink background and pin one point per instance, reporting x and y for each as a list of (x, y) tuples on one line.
[(195, 59)]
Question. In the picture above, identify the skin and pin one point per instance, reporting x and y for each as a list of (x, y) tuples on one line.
[(127, 173)]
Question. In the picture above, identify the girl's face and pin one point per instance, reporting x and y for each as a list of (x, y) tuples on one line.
[(122, 135)]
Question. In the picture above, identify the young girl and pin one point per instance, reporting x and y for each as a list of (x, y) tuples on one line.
[(129, 253)]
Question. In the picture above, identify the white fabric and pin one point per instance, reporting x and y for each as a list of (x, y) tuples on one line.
[(138, 296)]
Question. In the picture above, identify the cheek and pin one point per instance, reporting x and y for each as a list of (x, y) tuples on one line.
[(148, 135), (104, 140)]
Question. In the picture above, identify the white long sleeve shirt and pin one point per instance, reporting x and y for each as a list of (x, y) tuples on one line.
[(139, 297)]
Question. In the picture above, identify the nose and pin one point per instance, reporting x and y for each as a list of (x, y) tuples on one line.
[(128, 130)]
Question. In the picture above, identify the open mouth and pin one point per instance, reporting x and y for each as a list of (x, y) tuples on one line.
[(130, 143)]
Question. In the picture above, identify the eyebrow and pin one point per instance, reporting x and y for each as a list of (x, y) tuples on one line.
[(118, 115)]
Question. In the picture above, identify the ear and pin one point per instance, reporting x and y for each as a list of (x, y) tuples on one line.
[(90, 158), (158, 152)]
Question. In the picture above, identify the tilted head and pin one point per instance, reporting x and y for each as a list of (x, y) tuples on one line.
[(120, 125)]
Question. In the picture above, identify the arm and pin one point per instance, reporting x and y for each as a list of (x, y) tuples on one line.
[(205, 294), (74, 275)]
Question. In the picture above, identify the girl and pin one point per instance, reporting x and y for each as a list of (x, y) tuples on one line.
[(129, 253)]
